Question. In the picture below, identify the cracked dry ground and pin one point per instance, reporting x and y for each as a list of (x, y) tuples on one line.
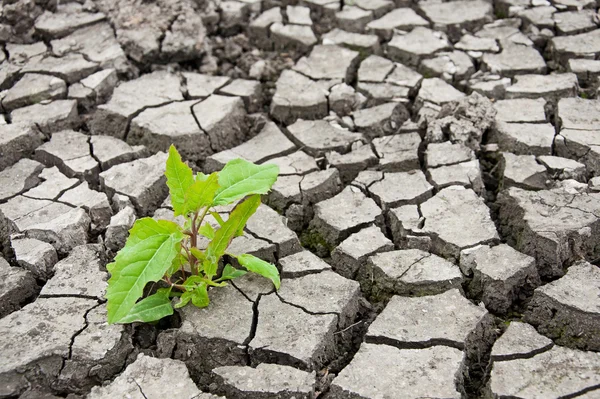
[(436, 222)]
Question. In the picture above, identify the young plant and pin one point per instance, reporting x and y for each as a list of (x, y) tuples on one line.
[(161, 250)]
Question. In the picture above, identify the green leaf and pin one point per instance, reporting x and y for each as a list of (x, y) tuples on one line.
[(230, 273), (199, 255), (198, 296), (178, 262), (152, 308), (207, 231), (261, 267), (213, 283), (201, 193), (210, 267), (148, 254), (201, 176), (237, 220), (240, 178), (218, 218), (191, 282), (183, 299), (179, 179)]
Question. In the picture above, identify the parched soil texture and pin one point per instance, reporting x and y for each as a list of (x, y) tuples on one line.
[(436, 221)]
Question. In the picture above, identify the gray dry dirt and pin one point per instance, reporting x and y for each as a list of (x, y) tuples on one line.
[(436, 221)]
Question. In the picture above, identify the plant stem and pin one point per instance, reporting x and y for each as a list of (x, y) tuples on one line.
[(189, 255), (196, 223), (193, 243), (178, 286), (203, 215)]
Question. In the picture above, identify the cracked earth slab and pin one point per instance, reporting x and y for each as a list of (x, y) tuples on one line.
[(37, 345), (447, 212), (411, 272), (381, 370), (501, 275), (567, 309), (550, 225), (149, 377), (444, 319), (549, 373), (265, 381)]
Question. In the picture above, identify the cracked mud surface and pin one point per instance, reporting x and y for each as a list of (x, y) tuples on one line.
[(436, 221)]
